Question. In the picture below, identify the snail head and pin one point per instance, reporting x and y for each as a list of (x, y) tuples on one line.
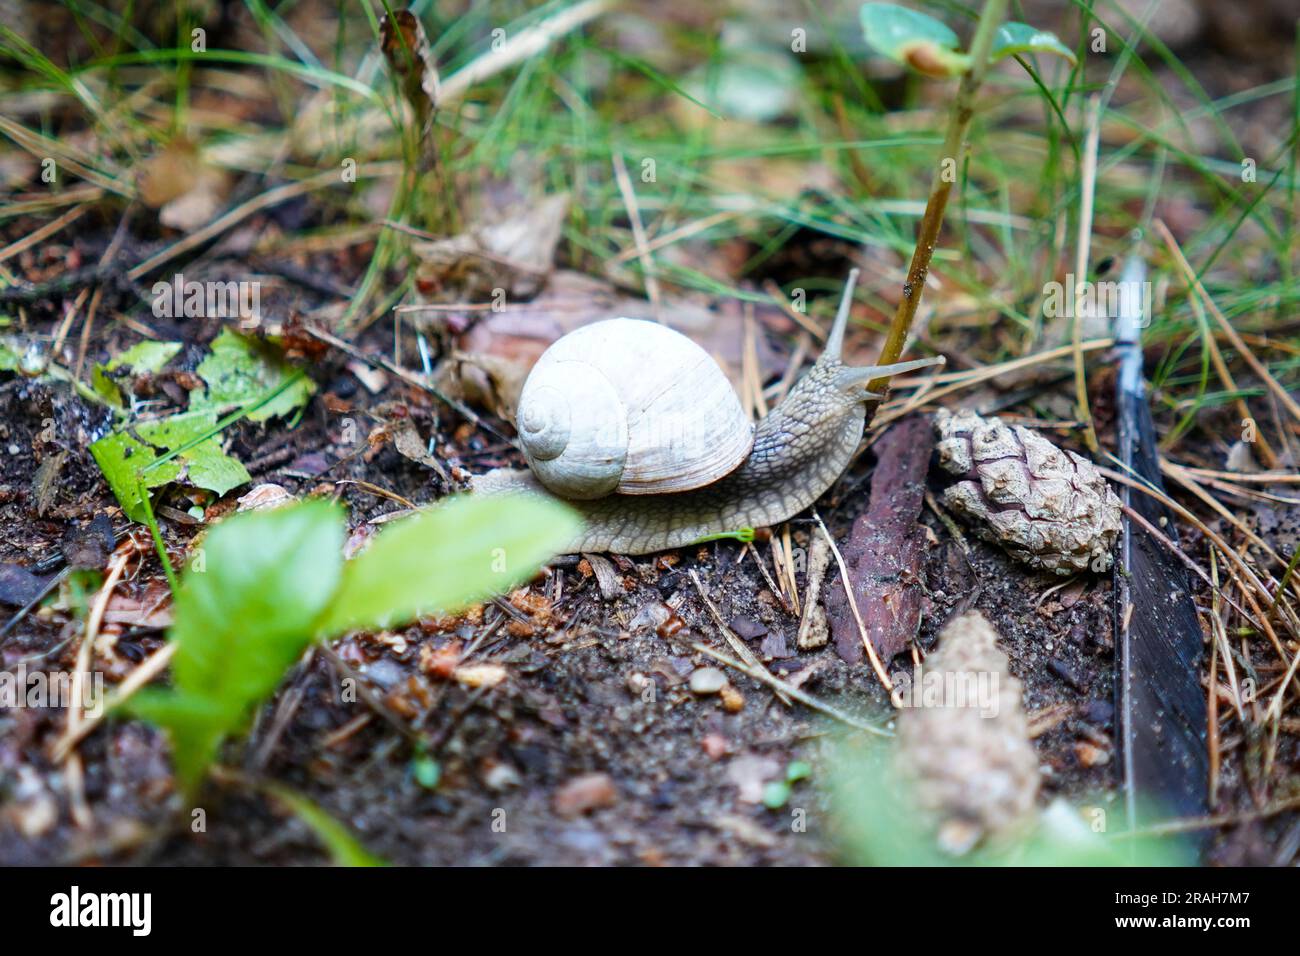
[(850, 379)]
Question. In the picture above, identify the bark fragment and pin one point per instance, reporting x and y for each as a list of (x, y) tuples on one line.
[(884, 550)]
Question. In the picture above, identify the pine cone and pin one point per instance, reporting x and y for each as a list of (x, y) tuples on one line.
[(1050, 508), (971, 763)]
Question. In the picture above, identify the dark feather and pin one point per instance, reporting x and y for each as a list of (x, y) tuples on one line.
[(1160, 703)]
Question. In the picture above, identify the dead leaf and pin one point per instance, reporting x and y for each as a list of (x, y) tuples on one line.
[(610, 584), (45, 483), (487, 381), (187, 193), (507, 256), (400, 429), (196, 208), (406, 48), (168, 174), (151, 609), (814, 631)]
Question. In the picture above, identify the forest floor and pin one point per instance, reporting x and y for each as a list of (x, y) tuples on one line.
[(594, 749)]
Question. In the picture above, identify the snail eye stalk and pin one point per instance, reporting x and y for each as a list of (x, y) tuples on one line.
[(835, 341), (847, 378)]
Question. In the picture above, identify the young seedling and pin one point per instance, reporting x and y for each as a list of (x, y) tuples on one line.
[(930, 47), (271, 582)]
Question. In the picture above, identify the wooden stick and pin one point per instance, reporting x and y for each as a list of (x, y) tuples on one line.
[(1082, 248), (963, 108), (86, 653)]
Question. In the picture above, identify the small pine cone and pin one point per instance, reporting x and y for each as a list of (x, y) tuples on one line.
[(963, 739), (1050, 508)]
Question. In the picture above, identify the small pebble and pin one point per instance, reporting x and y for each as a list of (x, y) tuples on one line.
[(707, 680), (774, 646), (1099, 712), (1090, 755), (714, 746), (1068, 673), (748, 628), (585, 793), (733, 701), (500, 776), (637, 683)]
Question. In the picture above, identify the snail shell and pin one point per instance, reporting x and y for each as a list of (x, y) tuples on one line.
[(632, 407)]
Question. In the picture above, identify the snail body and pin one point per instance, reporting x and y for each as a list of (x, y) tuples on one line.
[(740, 476)]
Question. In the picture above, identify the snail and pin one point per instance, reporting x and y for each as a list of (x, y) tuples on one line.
[(639, 430)]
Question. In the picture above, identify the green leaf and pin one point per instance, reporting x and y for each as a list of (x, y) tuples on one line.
[(122, 458), (243, 615), (913, 39), (240, 370), (195, 725), (775, 794), (200, 449), (246, 616), (144, 356), (443, 559), (105, 387), (1013, 39), (344, 848), (212, 468), (129, 458), (264, 583), (426, 770)]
